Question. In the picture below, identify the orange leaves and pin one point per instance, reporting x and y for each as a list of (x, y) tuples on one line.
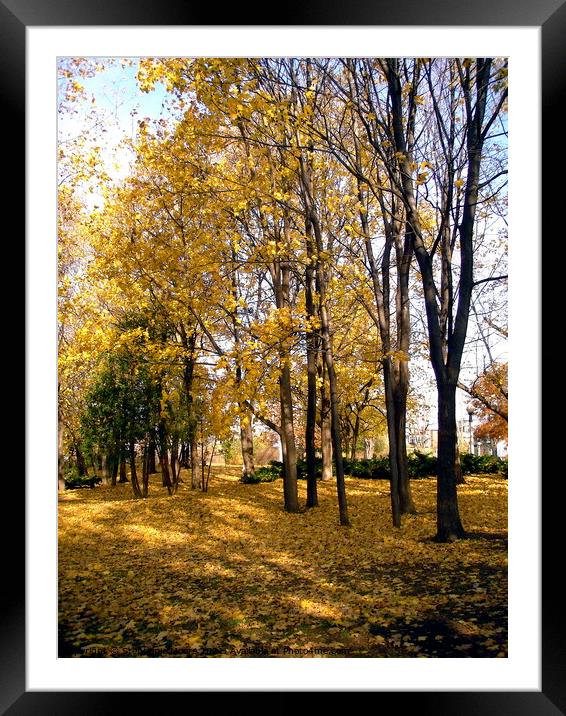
[(491, 402)]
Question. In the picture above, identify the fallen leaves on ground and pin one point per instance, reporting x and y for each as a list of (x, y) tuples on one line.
[(228, 573)]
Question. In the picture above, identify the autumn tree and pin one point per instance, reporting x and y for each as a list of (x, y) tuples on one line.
[(490, 395), (485, 381), (122, 408), (280, 235), (465, 98), (342, 100)]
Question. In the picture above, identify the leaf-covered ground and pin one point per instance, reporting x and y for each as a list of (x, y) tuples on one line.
[(230, 574)]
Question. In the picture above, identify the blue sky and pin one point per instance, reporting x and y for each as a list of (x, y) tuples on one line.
[(116, 91), (118, 104)]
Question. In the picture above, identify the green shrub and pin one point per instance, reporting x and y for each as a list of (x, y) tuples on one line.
[(75, 482), (421, 464), (302, 468), (424, 465), (361, 468), (371, 469), (380, 468), (483, 464), (489, 464), (267, 473), (470, 463)]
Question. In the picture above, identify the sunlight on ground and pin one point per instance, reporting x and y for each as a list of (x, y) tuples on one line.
[(229, 573)]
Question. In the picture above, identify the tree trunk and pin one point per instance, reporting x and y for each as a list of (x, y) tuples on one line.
[(145, 471), (283, 455), (81, 464), (152, 463), (397, 449), (165, 475), (247, 442), (460, 480), (60, 475), (174, 463), (106, 468), (133, 472), (123, 476), (325, 432), (311, 344), (114, 471), (335, 427), (280, 275), (355, 434), (206, 477), (333, 388), (195, 462), (393, 449), (313, 225), (202, 459), (449, 525), (290, 491), (189, 343), (326, 440), (164, 466), (406, 503), (184, 456), (404, 254), (246, 425), (310, 428)]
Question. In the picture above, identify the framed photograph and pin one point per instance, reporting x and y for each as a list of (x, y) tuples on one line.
[(37, 40)]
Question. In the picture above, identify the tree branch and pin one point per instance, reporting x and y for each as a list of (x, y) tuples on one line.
[(489, 278)]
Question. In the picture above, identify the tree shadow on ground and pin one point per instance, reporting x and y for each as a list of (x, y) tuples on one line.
[(210, 573)]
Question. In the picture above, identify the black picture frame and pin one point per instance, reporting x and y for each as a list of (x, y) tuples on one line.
[(550, 17)]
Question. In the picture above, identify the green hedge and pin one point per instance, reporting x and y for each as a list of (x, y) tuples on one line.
[(420, 465), (268, 473), (75, 482), (483, 464)]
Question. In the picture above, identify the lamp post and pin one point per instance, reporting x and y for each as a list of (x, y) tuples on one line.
[(470, 410)]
